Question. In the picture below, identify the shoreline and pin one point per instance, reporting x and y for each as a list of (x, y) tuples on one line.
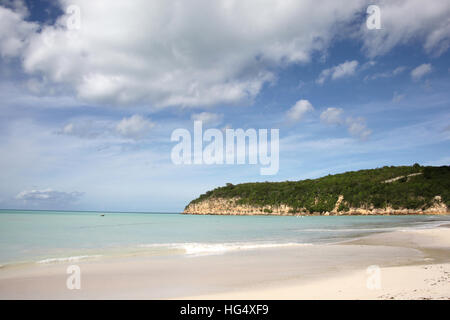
[(190, 248), (414, 265), (426, 279), (316, 214)]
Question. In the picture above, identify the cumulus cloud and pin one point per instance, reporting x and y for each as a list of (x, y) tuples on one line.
[(48, 198), (209, 118), (420, 71), (332, 116), (355, 126), (14, 30), (297, 111), (406, 21), (167, 52), (134, 127), (345, 69)]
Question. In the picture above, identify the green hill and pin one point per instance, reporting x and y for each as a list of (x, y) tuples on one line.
[(411, 187)]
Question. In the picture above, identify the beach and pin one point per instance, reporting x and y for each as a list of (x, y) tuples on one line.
[(424, 279), (184, 151), (408, 264)]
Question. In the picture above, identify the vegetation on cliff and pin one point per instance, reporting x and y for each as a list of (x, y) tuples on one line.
[(412, 187)]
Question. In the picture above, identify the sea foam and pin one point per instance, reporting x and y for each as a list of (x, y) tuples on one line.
[(195, 248), (67, 259)]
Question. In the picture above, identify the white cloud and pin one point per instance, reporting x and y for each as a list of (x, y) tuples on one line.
[(14, 31), (398, 70), (406, 21), (134, 127), (47, 198), (355, 126), (345, 69), (386, 74), (17, 5), (209, 118), (167, 52), (300, 108), (332, 116), (367, 65), (420, 71)]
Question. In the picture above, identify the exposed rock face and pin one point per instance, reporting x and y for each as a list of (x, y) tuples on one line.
[(401, 177), (338, 203), (230, 207), (221, 206)]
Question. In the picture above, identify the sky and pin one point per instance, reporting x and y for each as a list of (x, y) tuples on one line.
[(91, 92)]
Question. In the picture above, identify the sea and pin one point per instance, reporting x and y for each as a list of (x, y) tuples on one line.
[(46, 237)]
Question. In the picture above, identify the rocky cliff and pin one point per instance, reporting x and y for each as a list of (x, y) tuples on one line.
[(221, 206), (388, 190)]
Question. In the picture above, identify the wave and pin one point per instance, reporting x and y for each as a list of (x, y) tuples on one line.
[(211, 248), (433, 225), (413, 226), (194, 248), (67, 259), (348, 229)]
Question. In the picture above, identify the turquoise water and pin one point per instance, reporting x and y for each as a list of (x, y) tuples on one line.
[(49, 236)]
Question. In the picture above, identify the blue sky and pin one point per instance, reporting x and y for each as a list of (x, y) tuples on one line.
[(92, 90)]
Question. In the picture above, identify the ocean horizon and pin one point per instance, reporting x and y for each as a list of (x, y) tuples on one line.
[(46, 237)]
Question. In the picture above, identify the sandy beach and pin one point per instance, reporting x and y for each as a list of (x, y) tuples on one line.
[(199, 153), (429, 279), (413, 264)]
